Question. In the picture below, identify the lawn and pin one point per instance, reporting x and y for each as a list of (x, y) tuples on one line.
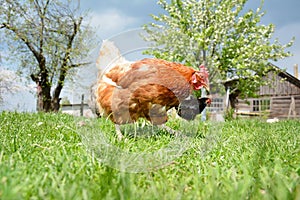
[(56, 156)]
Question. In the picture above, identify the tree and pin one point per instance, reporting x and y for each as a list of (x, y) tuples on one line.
[(50, 40), (232, 42)]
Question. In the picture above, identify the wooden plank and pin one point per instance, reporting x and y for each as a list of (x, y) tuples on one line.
[(281, 102), (249, 113), (281, 98)]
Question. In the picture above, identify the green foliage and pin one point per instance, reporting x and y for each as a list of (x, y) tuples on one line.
[(43, 157), (65, 100), (229, 39)]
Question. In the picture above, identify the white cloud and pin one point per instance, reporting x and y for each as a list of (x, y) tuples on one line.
[(111, 22)]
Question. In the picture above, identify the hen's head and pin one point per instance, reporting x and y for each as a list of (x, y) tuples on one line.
[(200, 79)]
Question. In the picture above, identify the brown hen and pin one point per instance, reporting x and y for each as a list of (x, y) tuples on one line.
[(147, 89)]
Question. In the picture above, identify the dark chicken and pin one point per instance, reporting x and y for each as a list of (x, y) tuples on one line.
[(190, 108)]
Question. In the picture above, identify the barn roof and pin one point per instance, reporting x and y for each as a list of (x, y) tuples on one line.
[(287, 76), (282, 73)]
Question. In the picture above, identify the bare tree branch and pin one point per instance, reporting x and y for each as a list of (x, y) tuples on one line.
[(24, 39), (51, 31), (80, 64)]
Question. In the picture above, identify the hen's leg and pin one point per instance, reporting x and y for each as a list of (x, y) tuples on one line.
[(170, 130), (118, 132)]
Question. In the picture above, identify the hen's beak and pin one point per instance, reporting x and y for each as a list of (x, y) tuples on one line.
[(206, 87)]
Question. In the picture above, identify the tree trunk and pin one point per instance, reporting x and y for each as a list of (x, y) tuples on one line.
[(46, 103), (234, 92), (43, 99), (39, 100), (233, 99), (55, 104), (43, 93)]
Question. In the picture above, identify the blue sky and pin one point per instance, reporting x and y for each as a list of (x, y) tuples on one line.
[(124, 17), (115, 16)]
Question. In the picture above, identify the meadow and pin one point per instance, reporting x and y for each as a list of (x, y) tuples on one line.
[(57, 156)]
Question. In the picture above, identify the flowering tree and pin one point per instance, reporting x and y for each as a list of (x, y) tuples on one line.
[(232, 42), (9, 83)]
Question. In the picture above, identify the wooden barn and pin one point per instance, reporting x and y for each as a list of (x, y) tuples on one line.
[(281, 99)]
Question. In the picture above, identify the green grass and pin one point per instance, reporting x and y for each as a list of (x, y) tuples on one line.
[(48, 156)]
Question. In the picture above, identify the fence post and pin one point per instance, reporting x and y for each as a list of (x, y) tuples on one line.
[(82, 104), (227, 98), (292, 110), (203, 94)]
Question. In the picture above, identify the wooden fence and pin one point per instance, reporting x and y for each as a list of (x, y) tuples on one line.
[(79, 109)]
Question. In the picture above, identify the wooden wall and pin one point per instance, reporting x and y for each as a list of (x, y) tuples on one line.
[(279, 96), (280, 107), (244, 105), (280, 86)]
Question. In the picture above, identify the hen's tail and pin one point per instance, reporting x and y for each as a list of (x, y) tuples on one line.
[(109, 56)]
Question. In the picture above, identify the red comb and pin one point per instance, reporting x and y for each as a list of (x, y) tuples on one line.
[(204, 70)]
